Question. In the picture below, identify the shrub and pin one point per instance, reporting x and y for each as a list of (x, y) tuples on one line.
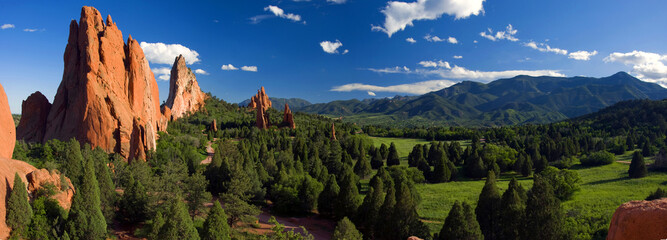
[(598, 159), (564, 182)]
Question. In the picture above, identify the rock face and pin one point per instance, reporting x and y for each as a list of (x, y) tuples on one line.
[(639, 220), (108, 96), (214, 126), (333, 131), (262, 118), (260, 99), (288, 118), (34, 112), (184, 92), (7, 127), (35, 179)]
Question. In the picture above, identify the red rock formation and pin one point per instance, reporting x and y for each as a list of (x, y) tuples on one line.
[(262, 98), (333, 131), (414, 238), (214, 126), (7, 127), (34, 112), (262, 120), (108, 96), (184, 92), (288, 118), (34, 179), (639, 220), (164, 119)]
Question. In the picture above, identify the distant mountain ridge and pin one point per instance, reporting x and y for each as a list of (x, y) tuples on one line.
[(279, 103), (518, 100)]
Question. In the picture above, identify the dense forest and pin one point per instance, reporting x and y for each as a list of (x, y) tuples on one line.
[(365, 189)]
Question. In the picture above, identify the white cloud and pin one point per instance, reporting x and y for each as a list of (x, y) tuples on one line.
[(582, 55), (229, 67), (201, 71), (508, 34), (249, 68), (474, 41), (545, 48), (163, 73), (647, 66), (410, 40), (410, 88), (7, 26), (331, 47), (161, 53), (337, 1), (33, 30), (396, 69), (345, 52), (281, 13), (457, 72), (399, 15), (457, 57), (452, 40), (435, 64)]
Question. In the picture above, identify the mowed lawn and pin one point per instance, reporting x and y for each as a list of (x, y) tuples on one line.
[(603, 188)]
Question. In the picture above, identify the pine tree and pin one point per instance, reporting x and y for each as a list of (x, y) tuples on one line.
[(86, 220), (179, 224), (527, 167), (384, 152), (460, 224), (415, 155), (392, 157), (441, 172), (512, 210), (74, 162), (196, 194), (156, 226), (384, 228), (215, 226), (488, 208), (637, 166), (133, 205), (540, 164), (363, 167), (369, 210), (108, 195), (347, 201), (405, 219), (377, 161), (345, 230), (19, 211), (474, 168), (544, 218), (326, 200)]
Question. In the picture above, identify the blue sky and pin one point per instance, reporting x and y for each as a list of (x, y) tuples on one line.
[(323, 50)]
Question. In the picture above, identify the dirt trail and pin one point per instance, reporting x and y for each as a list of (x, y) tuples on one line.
[(209, 151), (317, 226)]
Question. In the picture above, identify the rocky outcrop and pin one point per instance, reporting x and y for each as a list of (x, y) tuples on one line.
[(184, 93), (214, 126), (34, 112), (7, 127), (35, 179), (414, 238), (260, 99), (333, 131), (262, 118), (288, 118), (639, 220), (108, 96)]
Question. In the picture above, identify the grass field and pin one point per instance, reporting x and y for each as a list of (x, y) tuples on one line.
[(603, 188)]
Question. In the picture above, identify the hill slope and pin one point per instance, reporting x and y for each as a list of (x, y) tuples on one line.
[(517, 100)]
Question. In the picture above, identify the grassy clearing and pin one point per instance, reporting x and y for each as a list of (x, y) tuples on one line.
[(603, 188)]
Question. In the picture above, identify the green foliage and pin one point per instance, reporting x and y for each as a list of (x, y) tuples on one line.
[(85, 220), (564, 182), (215, 226), (512, 210), (108, 195), (196, 194), (637, 166), (19, 211), (345, 230), (363, 166), (460, 224), (47, 220), (326, 201), (73, 166), (348, 197), (658, 194), (392, 156), (544, 217), (281, 234), (598, 158), (474, 167), (368, 213), (488, 208), (133, 205), (178, 224)]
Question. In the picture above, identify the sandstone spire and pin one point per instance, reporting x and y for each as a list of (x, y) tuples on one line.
[(34, 112), (260, 97), (288, 118), (333, 131), (184, 92)]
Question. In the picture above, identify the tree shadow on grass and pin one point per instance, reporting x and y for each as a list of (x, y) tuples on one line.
[(607, 181)]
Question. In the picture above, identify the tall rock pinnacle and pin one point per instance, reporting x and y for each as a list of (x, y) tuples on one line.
[(184, 92)]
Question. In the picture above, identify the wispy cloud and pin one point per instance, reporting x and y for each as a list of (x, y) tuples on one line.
[(161, 53), (162, 73), (542, 47), (399, 15), (337, 1), (279, 12), (457, 57), (409, 88), (410, 40), (582, 55), (433, 64), (430, 38), (445, 70), (7, 26), (228, 67), (201, 71), (33, 30), (249, 68), (508, 34), (396, 69)]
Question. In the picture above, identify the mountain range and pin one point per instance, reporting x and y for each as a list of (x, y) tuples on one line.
[(518, 100)]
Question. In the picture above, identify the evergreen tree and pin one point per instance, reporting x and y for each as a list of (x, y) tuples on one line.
[(415, 155), (133, 205), (541, 164), (405, 219), (86, 220), (156, 226), (345, 230), (384, 151), (196, 194), (512, 209), (347, 201), (460, 224), (19, 211), (108, 195), (73, 166), (647, 149), (527, 167), (363, 167), (441, 172), (326, 200), (474, 167), (384, 228), (488, 208), (215, 226), (179, 224), (637, 166), (369, 210), (544, 218), (392, 157), (377, 161)]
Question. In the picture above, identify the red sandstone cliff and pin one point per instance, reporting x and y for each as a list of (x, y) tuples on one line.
[(288, 118), (260, 99), (108, 96), (184, 92), (34, 112), (639, 220), (7, 130)]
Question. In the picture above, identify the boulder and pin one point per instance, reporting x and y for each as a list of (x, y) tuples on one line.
[(260, 99), (108, 90), (40, 177), (185, 96), (639, 220), (7, 127), (34, 112), (288, 118)]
